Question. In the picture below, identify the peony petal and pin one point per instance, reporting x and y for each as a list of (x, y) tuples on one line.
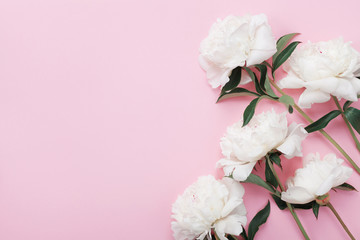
[(264, 45), (291, 81), (342, 176), (327, 85), (236, 192), (356, 84), (291, 147), (309, 97), (345, 90), (241, 172), (258, 56), (297, 195), (326, 186), (245, 77), (217, 76), (230, 225), (228, 165)]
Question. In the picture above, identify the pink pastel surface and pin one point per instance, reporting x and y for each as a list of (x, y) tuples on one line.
[(106, 116)]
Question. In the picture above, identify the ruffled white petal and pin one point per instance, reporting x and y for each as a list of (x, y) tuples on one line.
[(291, 81), (241, 172), (297, 195), (308, 97), (245, 77), (291, 147)]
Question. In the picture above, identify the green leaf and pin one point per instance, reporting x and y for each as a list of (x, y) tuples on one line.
[(353, 115), (346, 187), (304, 206), (275, 158), (346, 105), (255, 179), (315, 209), (291, 109), (255, 81), (269, 175), (282, 42), (284, 55), (280, 203), (259, 219), (249, 111), (287, 100), (266, 63), (268, 88), (244, 235), (234, 81), (263, 74), (322, 122), (237, 92)]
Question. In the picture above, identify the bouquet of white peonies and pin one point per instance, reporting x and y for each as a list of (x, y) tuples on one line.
[(242, 50)]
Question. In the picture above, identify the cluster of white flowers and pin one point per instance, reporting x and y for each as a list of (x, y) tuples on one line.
[(325, 69)]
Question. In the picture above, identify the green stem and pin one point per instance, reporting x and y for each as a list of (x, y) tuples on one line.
[(325, 134), (292, 211), (340, 220), (347, 123)]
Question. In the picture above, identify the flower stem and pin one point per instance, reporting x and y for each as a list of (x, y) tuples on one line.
[(340, 220), (347, 123), (292, 211), (325, 134)]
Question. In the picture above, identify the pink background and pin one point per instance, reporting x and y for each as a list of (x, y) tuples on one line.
[(106, 115)]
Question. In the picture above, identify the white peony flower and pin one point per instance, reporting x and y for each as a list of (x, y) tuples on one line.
[(235, 41), (324, 69), (315, 179), (209, 204), (242, 147)]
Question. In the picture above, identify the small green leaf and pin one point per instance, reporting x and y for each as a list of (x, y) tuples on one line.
[(282, 42), (234, 81), (291, 109), (249, 111), (275, 158), (255, 81), (237, 92), (284, 55), (269, 175), (346, 105), (353, 115), (263, 74), (346, 187), (315, 209), (259, 219), (322, 122), (280, 203), (287, 100), (255, 179), (268, 88)]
